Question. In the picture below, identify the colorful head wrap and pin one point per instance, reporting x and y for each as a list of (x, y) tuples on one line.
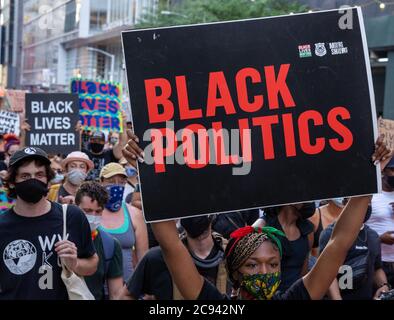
[(244, 241)]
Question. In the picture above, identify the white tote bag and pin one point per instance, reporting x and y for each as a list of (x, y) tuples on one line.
[(76, 285)]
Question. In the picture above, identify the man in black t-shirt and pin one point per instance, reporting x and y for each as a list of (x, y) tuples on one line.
[(152, 278), (99, 155), (31, 234), (365, 250)]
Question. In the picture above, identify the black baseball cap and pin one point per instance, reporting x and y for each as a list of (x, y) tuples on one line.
[(97, 135), (29, 152)]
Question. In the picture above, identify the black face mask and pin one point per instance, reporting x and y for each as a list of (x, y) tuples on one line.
[(196, 226), (307, 210), (31, 190), (390, 181), (96, 147), (368, 214)]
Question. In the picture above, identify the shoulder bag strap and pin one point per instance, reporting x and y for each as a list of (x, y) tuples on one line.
[(64, 206)]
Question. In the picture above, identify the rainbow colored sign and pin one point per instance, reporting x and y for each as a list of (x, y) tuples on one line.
[(100, 104)]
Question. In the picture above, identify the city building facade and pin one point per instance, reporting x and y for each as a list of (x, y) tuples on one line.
[(75, 38), (11, 13), (46, 43)]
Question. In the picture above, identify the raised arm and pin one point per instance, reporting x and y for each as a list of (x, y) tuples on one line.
[(345, 232), (24, 128), (117, 149), (179, 262)]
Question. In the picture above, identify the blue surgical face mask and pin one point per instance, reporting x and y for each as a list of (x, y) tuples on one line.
[(131, 172), (94, 221), (76, 177), (113, 140), (115, 192), (58, 178)]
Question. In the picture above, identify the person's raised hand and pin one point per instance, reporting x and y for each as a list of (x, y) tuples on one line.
[(132, 151), (67, 200), (78, 126), (387, 238), (381, 152), (25, 126)]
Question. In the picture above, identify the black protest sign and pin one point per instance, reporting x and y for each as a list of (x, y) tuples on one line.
[(53, 118), (9, 122), (252, 113)]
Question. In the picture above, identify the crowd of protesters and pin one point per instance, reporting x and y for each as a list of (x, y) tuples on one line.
[(287, 252)]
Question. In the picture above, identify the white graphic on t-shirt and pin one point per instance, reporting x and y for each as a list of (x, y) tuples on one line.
[(46, 244), (20, 256), (45, 257)]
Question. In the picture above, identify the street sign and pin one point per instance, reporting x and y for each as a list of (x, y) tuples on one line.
[(252, 113)]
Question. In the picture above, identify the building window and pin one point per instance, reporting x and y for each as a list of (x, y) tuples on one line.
[(70, 21), (98, 14)]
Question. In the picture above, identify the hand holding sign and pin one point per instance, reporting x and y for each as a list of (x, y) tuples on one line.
[(387, 238), (78, 127), (132, 151), (382, 152), (25, 126)]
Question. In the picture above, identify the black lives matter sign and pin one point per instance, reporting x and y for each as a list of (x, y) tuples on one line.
[(252, 113), (53, 118)]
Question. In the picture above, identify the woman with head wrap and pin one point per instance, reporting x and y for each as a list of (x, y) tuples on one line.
[(253, 255)]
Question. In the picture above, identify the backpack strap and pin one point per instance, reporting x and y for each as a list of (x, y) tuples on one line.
[(109, 248), (221, 278)]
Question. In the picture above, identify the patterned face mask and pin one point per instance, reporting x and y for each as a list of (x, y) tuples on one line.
[(259, 286), (115, 192)]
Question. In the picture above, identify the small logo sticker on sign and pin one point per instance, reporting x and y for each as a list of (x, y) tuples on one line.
[(320, 49), (305, 51)]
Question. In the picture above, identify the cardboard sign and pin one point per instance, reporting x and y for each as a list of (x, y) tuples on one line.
[(386, 127), (53, 118), (9, 122), (100, 104), (253, 113), (16, 99)]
